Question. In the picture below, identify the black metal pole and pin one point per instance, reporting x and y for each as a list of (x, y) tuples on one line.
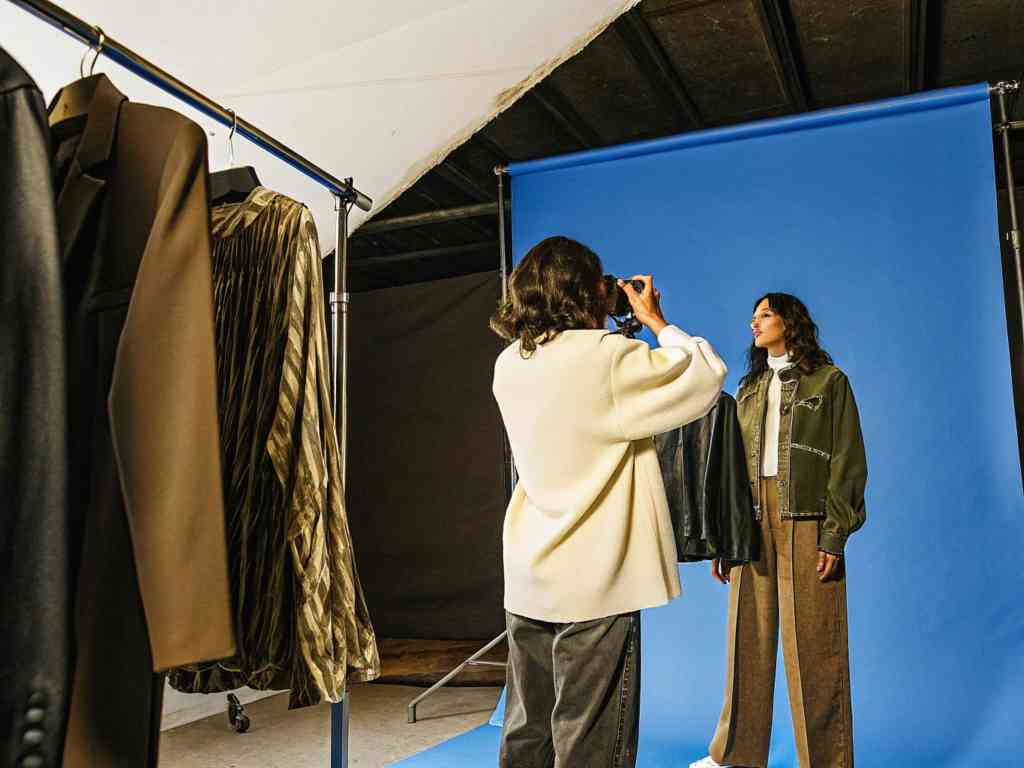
[(499, 171), (86, 33), (339, 401), (1001, 89), (1014, 314)]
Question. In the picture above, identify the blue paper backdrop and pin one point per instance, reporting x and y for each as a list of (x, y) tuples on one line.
[(882, 218)]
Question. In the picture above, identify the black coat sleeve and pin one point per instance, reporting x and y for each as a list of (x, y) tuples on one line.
[(34, 641), (739, 540)]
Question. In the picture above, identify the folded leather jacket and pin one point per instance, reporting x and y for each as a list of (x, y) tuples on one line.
[(704, 468)]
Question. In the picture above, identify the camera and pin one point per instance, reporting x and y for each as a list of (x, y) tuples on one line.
[(618, 306)]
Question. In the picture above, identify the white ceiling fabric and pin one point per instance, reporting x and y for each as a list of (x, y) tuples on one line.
[(379, 91)]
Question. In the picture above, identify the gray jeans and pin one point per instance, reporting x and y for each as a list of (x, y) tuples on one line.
[(573, 693)]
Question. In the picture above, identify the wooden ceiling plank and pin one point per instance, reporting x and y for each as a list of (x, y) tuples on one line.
[(777, 23), (562, 113), (650, 56)]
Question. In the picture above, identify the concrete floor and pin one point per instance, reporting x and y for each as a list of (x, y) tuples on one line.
[(378, 732)]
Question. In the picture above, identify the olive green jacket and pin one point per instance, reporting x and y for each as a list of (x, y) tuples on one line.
[(822, 467)]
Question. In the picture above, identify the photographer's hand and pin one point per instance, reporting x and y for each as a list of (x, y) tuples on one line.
[(646, 305)]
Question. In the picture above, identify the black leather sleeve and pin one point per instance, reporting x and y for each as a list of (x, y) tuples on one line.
[(739, 533), (34, 639)]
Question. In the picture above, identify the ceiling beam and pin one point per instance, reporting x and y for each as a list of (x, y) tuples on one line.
[(485, 142), (916, 45), (469, 227), (375, 226), (458, 177), (650, 56), (780, 32), (670, 8), (563, 113)]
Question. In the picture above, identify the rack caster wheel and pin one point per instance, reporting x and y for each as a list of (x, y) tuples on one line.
[(236, 714)]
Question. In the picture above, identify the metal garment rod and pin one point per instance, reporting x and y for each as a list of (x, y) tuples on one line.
[(86, 33)]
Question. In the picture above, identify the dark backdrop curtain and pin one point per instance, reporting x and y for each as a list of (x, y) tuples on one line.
[(426, 458)]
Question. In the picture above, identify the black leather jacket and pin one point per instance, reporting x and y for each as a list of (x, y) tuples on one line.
[(34, 618), (705, 472)]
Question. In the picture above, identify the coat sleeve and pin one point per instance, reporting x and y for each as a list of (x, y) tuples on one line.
[(34, 521), (848, 472), (655, 390), (163, 416)]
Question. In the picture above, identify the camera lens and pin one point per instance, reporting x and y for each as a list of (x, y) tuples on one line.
[(617, 303)]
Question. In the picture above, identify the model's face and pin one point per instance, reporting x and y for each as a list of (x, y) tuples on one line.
[(767, 326)]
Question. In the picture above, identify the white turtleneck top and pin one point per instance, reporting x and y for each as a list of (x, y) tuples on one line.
[(770, 459)]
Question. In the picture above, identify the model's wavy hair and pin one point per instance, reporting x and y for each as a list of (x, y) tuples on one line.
[(555, 288), (801, 335)]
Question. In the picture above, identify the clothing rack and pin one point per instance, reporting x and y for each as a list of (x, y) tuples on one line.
[(345, 196)]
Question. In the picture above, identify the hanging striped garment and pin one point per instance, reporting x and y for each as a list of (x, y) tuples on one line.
[(299, 611)]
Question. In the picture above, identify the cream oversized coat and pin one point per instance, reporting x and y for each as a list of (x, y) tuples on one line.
[(587, 532)]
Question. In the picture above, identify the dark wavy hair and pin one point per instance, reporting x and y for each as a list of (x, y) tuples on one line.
[(556, 287), (801, 335)]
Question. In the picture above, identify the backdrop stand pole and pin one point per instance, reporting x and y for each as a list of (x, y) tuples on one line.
[(501, 172), (339, 402), (1014, 235)]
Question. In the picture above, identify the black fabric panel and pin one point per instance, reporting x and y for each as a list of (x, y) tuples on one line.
[(426, 466)]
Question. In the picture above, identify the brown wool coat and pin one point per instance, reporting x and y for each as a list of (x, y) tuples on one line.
[(149, 569)]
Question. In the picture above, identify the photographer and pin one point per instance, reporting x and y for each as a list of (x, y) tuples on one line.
[(588, 541)]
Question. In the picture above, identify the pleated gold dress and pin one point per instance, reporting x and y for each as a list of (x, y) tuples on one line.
[(299, 611)]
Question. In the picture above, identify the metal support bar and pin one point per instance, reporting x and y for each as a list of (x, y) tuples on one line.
[(444, 680), (1014, 235), (339, 733), (377, 226), (339, 299), (500, 172), (339, 401), (1004, 127), (86, 33)]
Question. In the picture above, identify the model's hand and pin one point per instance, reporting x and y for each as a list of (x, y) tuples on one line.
[(646, 305), (828, 566), (720, 569)]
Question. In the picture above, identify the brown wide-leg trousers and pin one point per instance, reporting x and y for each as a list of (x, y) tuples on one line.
[(784, 585)]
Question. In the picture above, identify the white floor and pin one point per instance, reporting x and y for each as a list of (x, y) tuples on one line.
[(378, 732)]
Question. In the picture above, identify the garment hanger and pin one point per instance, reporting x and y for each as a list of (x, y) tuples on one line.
[(232, 185), (70, 107)]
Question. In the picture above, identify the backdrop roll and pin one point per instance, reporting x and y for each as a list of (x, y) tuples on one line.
[(882, 218)]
